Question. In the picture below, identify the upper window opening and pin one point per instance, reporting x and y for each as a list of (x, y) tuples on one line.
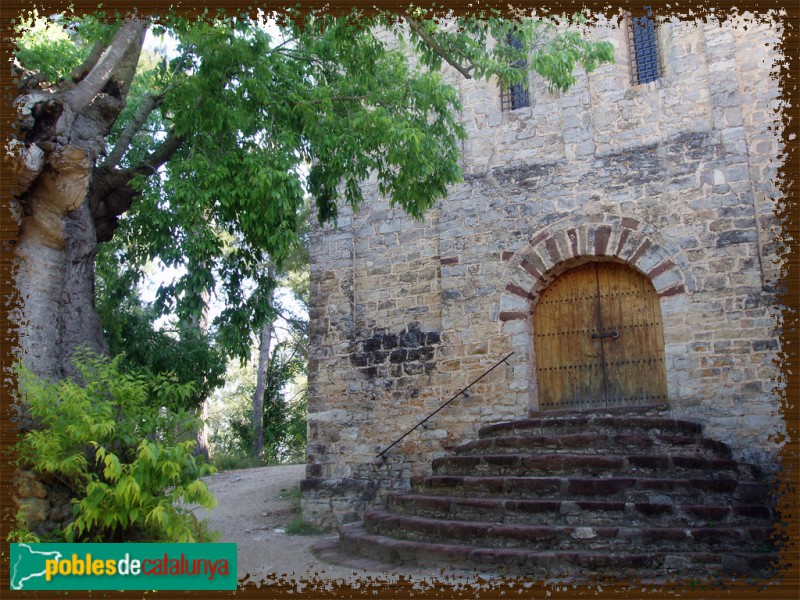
[(516, 95), (643, 44)]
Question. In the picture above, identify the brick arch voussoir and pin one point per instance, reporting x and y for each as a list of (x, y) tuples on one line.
[(575, 240)]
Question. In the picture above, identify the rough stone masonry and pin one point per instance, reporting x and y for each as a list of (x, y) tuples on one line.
[(675, 179)]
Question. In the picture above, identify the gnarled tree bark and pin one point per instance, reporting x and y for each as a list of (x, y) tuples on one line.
[(65, 125)]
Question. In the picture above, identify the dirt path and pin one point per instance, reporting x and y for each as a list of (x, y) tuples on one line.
[(254, 510)]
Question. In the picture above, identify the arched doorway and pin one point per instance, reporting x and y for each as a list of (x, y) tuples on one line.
[(599, 340)]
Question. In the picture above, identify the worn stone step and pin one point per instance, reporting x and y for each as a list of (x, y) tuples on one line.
[(598, 443), (589, 464), (354, 539), (628, 492), (591, 423), (660, 411), (571, 512), (564, 537), (699, 490)]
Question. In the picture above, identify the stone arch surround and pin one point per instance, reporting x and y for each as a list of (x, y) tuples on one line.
[(568, 242), (575, 240)]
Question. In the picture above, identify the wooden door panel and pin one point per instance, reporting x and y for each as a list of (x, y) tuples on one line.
[(577, 370), (586, 358), (633, 362), (569, 366), (622, 314)]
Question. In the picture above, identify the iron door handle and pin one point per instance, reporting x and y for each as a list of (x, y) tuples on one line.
[(613, 335)]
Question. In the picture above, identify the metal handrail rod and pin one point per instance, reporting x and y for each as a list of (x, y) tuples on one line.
[(497, 364)]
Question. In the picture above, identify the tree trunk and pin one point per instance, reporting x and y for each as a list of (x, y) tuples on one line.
[(201, 447), (80, 325), (201, 439), (55, 269), (64, 126), (261, 387)]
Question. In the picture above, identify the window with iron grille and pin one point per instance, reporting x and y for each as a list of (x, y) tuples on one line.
[(516, 95), (643, 45)]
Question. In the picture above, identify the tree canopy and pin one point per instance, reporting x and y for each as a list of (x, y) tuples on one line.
[(200, 151)]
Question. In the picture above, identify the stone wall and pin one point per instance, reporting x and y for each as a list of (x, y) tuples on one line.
[(43, 502), (675, 178)]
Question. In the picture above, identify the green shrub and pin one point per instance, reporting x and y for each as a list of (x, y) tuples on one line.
[(114, 440), (21, 533)]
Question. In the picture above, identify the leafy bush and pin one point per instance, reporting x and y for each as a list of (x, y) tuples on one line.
[(113, 439), (20, 533), (43, 44)]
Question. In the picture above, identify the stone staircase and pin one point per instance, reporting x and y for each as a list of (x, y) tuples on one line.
[(582, 495)]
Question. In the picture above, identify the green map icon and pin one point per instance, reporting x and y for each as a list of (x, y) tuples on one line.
[(27, 564)]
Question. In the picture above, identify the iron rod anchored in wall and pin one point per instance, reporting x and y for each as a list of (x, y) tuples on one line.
[(393, 444)]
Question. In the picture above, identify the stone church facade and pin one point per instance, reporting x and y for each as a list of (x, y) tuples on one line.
[(619, 239)]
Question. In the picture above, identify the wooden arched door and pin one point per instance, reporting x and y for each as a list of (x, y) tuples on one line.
[(599, 340)]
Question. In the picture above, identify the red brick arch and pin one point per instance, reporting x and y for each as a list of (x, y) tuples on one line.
[(575, 240)]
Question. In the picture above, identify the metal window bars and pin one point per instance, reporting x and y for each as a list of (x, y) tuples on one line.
[(516, 95), (643, 47)]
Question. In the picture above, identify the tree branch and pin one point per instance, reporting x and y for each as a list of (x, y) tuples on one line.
[(123, 75), (285, 42), (438, 49), (131, 34), (160, 156), (111, 194), (149, 104), (80, 71)]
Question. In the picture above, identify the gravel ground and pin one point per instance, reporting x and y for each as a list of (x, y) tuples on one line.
[(254, 508)]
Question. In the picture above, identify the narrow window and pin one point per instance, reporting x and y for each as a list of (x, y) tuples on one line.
[(516, 95), (643, 45)]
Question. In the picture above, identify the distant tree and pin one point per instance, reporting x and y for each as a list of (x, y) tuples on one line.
[(283, 415), (269, 376)]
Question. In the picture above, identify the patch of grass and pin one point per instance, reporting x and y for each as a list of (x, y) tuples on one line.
[(298, 526), (292, 494)]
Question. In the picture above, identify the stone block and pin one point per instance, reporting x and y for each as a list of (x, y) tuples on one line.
[(35, 510), (28, 486)]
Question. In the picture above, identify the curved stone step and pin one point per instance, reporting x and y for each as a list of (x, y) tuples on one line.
[(354, 539), (598, 443), (626, 492), (571, 512), (487, 534), (700, 490), (591, 423), (568, 463)]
